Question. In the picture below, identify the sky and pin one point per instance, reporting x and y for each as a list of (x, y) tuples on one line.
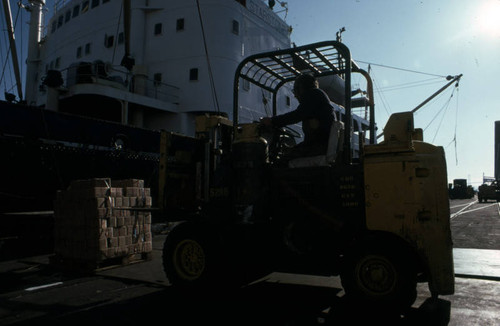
[(426, 40), (436, 37)]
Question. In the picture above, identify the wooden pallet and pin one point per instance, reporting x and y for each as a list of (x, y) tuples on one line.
[(75, 265)]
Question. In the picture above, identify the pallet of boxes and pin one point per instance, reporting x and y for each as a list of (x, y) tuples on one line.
[(101, 223)]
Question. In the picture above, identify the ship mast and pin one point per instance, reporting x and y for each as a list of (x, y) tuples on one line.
[(32, 61), (13, 49)]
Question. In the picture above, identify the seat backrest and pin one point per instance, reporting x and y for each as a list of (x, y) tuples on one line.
[(335, 141)]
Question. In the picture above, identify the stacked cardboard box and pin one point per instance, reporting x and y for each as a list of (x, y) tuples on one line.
[(101, 219)]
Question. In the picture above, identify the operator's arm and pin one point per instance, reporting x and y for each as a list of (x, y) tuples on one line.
[(295, 116)]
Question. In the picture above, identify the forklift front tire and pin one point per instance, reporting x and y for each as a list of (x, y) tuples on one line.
[(380, 277)]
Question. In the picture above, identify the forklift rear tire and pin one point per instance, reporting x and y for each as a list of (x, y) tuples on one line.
[(381, 277), (190, 259)]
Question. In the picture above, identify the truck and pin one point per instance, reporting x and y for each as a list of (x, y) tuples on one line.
[(488, 191), (375, 214), (460, 190)]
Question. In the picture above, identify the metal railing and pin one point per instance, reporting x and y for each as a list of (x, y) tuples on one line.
[(112, 76)]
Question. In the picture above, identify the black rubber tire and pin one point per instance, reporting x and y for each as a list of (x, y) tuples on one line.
[(190, 258), (380, 276)]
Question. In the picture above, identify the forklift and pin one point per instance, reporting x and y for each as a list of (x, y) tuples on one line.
[(376, 214)]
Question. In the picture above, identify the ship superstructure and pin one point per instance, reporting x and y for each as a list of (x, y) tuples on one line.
[(180, 57)]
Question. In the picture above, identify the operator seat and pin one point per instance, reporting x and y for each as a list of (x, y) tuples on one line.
[(335, 141)]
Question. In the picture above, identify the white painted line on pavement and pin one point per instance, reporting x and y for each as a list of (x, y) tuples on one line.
[(34, 288), (476, 209), (460, 211), (460, 205)]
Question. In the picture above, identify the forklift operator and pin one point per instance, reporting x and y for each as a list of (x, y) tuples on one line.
[(316, 114)]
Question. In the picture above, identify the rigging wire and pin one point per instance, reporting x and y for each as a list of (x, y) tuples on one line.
[(117, 33), (456, 127), (210, 73), (425, 82), (445, 107), (432, 101), (265, 102), (385, 104), (1, 53), (14, 84), (454, 140), (380, 91), (401, 69), (22, 37)]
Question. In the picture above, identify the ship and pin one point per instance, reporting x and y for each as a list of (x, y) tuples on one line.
[(104, 77)]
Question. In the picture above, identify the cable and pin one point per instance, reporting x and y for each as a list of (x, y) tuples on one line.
[(425, 82), (22, 39), (265, 102), (2, 58), (14, 84), (445, 105), (210, 73), (117, 34), (385, 104), (456, 126), (402, 69)]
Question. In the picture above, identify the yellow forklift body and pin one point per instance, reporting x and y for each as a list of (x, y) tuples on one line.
[(206, 122), (406, 194)]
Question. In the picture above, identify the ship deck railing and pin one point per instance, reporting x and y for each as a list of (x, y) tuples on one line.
[(107, 75)]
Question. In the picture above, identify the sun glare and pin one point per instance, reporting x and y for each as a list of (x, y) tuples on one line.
[(489, 18)]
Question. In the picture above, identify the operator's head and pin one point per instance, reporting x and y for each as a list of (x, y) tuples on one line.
[(303, 83)]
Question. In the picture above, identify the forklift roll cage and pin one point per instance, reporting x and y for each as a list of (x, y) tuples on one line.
[(271, 70)]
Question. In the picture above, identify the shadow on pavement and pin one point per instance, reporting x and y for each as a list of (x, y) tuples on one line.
[(262, 303), (430, 313)]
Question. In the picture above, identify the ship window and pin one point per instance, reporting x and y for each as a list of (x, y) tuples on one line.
[(85, 6), (158, 28), (68, 16), (157, 79), (108, 41), (95, 3), (180, 24), (60, 21), (104, 1), (193, 74), (54, 25), (236, 27), (288, 100), (79, 52), (87, 48), (120, 38), (58, 62), (76, 11)]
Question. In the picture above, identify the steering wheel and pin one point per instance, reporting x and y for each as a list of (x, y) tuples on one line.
[(290, 132), (282, 141)]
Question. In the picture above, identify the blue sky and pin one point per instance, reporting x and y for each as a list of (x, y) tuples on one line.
[(440, 37)]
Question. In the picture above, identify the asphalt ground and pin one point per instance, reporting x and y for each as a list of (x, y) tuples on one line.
[(33, 292)]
